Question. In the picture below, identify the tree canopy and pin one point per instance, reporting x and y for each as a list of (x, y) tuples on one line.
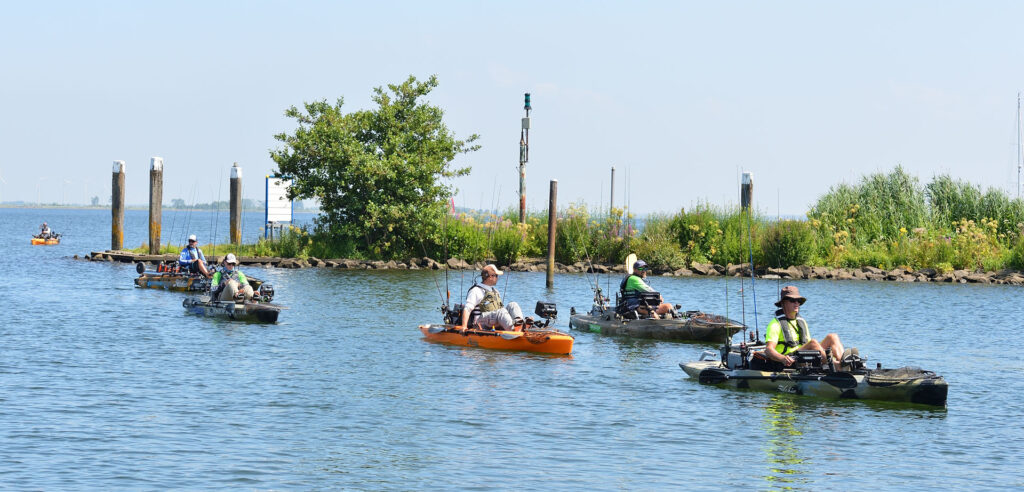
[(378, 174)]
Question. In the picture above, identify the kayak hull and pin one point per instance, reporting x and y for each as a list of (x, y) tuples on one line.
[(239, 311), (181, 282), (541, 341), (45, 242), (928, 389), (696, 328)]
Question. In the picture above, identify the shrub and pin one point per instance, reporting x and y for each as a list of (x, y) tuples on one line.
[(509, 242), (787, 243)]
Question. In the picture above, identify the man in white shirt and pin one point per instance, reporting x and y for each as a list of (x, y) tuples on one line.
[(492, 312)]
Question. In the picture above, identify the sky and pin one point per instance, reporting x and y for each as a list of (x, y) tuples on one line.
[(681, 97)]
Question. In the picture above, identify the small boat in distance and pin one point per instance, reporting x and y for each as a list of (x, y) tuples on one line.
[(45, 240)]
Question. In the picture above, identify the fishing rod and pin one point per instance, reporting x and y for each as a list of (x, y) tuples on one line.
[(216, 214), (753, 288)]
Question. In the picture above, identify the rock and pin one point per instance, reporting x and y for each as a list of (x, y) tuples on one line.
[(979, 278), (821, 272), (600, 269), (704, 268), (872, 270), (842, 274), (683, 272), (401, 266), (742, 269), (457, 264), (391, 265), (928, 272), (314, 261)]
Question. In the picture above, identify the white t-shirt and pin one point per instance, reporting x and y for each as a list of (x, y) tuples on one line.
[(476, 295)]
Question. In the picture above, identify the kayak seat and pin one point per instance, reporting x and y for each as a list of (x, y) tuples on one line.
[(761, 362), (453, 315), (628, 304)]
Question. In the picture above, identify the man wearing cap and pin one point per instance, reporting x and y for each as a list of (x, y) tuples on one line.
[(487, 298), (634, 283), (788, 332), (233, 281), (191, 258), (44, 231)]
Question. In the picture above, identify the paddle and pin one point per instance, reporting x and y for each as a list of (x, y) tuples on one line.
[(630, 260)]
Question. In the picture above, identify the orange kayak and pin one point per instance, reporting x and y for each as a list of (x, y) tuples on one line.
[(532, 340), (40, 241)]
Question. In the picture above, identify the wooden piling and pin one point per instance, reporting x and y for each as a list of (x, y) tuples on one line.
[(236, 205), (117, 207), (746, 190), (156, 196), (552, 231)]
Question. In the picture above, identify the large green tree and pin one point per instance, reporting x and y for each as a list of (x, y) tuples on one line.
[(378, 174)]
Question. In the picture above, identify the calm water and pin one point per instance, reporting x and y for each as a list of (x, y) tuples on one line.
[(106, 386)]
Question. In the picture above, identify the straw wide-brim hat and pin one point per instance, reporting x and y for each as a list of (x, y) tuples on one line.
[(790, 292)]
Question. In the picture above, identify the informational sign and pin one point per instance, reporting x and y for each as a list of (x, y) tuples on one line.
[(279, 207)]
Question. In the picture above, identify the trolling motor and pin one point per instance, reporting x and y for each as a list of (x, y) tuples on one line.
[(266, 292), (547, 311)]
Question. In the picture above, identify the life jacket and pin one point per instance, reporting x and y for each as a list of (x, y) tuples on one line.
[(491, 300), (804, 334), (226, 275), (622, 285)]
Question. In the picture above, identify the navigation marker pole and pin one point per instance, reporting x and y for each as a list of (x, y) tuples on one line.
[(524, 156), (156, 197)]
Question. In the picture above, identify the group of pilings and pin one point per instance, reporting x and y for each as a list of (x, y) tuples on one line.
[(156, 195), (156, 183)]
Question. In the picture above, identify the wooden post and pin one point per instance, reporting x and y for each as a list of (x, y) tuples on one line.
[(746, 191), (156, 196), (117, 207), (236, 205), (552, 231)]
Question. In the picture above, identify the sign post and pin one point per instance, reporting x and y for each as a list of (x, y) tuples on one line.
[(278, 206)]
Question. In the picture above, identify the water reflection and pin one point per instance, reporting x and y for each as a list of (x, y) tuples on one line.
[(781, 422)]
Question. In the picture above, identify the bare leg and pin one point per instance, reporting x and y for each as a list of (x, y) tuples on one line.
[(831, 341)]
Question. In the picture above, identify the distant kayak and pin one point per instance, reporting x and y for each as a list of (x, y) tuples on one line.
[(532, 340), (240, 311), (41, 241)]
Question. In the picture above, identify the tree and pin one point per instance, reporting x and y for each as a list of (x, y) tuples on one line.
[(178, 203), (377, 174)]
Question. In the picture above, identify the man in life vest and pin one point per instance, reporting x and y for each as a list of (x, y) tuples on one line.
[(44, 231), (634, 283), (492, 312), (229, 281), (788, 332), (191, 258)]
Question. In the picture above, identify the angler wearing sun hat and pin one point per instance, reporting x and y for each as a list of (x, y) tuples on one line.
[(191, 258), (788, 332)]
